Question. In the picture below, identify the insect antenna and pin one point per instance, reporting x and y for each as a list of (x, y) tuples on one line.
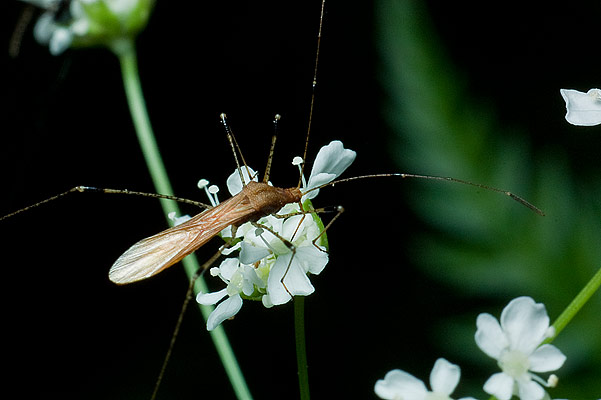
[(511, 195), (323, 5), (276, 131), (235, 149)]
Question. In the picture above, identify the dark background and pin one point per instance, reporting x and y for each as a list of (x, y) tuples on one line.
[(69, 332)]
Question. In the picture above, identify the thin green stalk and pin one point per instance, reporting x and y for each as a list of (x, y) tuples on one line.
[(135, 99), (301, 349), (579, 301)]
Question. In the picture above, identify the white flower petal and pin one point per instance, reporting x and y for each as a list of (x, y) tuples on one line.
[(262, 238), (250, 280), (318, 180), (311, 259), (277, 293), (44, 28), (250, 254), (444, 377), (331, 160), (499, 385), (583, 109), (230, 250), (530, 391), (546, 358), (178, 220), (266, 300), (61, 39), (489, 336), (296, 281), (80, 27), (211, 298), (226, 309), (228, 267), (234, 184), (399, 384), (291, 226), (525, 323)]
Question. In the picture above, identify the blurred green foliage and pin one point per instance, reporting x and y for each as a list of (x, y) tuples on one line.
[(489, 249)]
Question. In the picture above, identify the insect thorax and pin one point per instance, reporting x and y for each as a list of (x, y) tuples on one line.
[(266, 199)]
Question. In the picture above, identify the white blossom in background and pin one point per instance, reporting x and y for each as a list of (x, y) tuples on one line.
[(399, 385), (89, 22), (516, 345), (263, 259), (583, 109)]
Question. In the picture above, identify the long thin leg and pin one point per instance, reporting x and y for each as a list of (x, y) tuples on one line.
[(274, 233), (274, 138), (321, 210), (287, 243), (180, 319), (235, 149), (340, 211), (82, 189)]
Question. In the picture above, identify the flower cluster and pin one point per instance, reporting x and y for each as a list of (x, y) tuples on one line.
[(516, 342), (264, 268), (111, 23)]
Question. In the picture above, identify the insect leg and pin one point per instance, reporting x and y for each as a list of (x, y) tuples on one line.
[(82, 189), (287, 243), (274, 233), (321, 210), (276, 120), (180, 319), (338, 210), (235, 148)]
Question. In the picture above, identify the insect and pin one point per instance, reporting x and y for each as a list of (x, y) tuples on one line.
[(152, 255)]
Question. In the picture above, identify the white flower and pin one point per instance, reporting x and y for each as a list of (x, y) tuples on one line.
[(266, 268), (399, 385), (282, 262), (58, 36), (90, 22), (516, 345), (239, 278), (583, 109)]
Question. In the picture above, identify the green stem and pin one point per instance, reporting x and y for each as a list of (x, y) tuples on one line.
[(576, 304), (301, 349), (126, 52)]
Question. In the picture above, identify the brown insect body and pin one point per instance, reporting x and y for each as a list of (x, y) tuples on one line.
[(152, 255)]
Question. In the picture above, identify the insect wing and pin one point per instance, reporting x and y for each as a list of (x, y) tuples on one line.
[(152, 255)]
